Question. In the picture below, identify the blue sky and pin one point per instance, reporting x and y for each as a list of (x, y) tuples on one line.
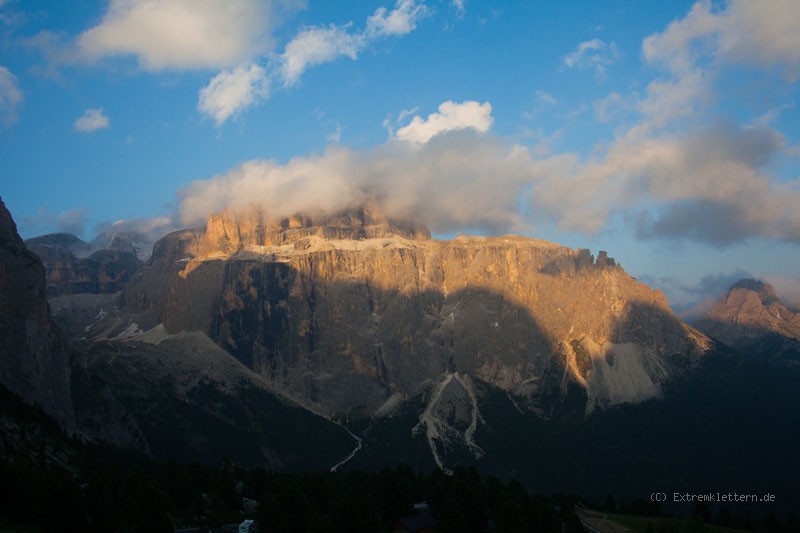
[(667, 133)]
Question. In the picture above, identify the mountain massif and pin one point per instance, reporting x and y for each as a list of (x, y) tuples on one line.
[(355, 341), (354, 311)]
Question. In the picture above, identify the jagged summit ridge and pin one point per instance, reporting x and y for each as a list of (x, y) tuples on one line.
[(229, 232)]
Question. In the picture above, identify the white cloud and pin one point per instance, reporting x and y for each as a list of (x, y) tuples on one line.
[(10, 96), (451, 116), (322, 44), (593, 55), (91, 120), (399, 21), (457, 179), (459, 7), (317, 45), (231, 91), (180, 34)]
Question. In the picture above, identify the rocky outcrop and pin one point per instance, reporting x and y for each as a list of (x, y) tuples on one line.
[(752, 319), (34, 357), (68, 270), (348, 317)]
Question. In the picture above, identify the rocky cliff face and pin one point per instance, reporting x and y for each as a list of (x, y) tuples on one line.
[(353, 312), (34, 357), (72, 268), (752, 319)]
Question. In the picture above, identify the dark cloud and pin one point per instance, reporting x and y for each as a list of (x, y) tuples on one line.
[(706, 221), (726, 141)]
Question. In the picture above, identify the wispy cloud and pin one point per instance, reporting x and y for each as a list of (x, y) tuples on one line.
[(459, 6), (543, 101), (314, 46), (322, 44), (594, 55), (91, 120), (310, 47), (399, 21), (10, 96)]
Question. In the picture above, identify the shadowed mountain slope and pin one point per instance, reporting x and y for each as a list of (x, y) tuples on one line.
[(34, 356)]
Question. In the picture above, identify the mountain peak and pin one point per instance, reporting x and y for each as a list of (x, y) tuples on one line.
[(749, 312), (765, 291)]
